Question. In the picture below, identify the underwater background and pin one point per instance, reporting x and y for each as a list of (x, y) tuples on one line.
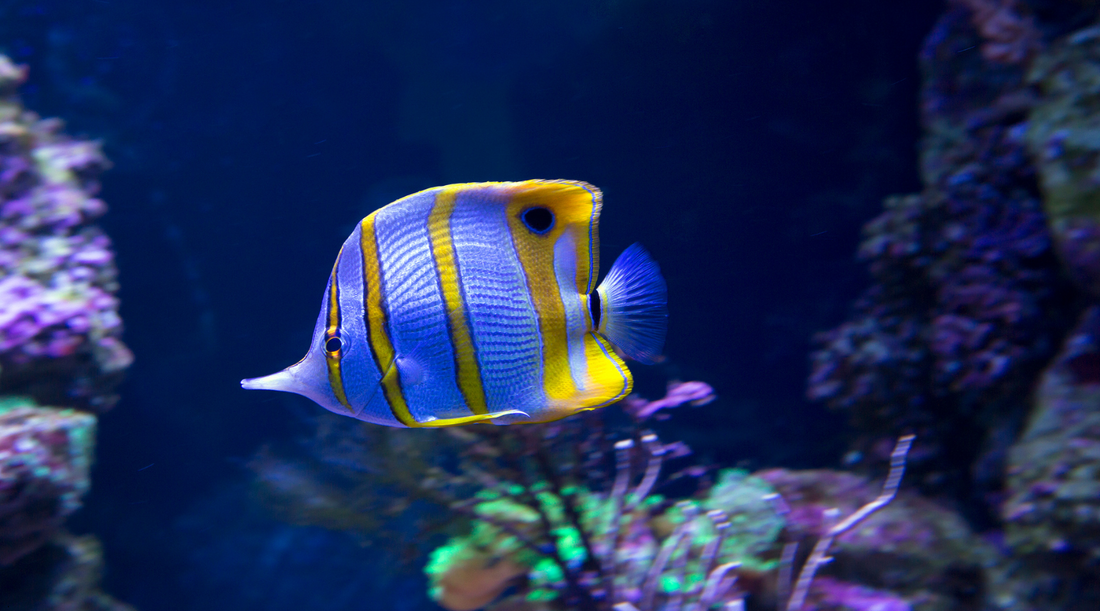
[(875, 219)]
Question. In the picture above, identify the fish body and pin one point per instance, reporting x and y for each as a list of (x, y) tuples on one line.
[(477, 302)]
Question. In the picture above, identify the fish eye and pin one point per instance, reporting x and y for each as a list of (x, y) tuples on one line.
[(538, 220), (333, 344)]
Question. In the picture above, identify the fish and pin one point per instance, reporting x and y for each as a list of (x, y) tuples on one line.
[(477, 302)]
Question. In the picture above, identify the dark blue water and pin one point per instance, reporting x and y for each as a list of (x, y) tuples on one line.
[(744, 143)]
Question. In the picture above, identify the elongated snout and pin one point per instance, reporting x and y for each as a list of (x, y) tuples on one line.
[(284, 380)]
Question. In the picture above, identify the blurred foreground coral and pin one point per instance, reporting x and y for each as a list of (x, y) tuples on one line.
[(60, 344)]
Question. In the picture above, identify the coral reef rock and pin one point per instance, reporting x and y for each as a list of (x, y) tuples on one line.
[(969, 299), (45, 456), (60, 332), (1064, 139), (62, 575), (1052, 516), (922, 554)]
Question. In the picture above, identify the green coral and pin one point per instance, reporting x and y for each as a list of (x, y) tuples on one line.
[(750, 539), (487, 540), (753, 530), (754, 523)]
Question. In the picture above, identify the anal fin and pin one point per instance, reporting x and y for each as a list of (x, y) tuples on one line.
[(609, 379), (606, 380)]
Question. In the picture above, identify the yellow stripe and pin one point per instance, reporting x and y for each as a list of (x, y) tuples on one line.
[(537, 262), (335, 378), (380, 344), (439, 232)]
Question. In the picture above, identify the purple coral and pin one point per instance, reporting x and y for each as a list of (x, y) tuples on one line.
[(679, 393), (58, 310)]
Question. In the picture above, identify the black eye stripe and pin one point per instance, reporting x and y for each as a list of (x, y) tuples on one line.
[(537, 219)]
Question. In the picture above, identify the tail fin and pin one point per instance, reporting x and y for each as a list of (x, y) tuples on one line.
[(632, 306)]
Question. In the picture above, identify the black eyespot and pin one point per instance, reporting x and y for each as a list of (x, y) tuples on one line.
[(538, 220), (333, 345), (595, 307)]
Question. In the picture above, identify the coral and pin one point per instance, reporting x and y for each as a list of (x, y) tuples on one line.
[(479, 566), (60, 332), (1010, 35), (1051, 582), (594, 543), (559, 515), (968, 300), (754, 525), (45, 456), (968, 308), (832, 595), (558, 508), (473, 570), (469, 573), (1054, 469), (1064, 139), (1052, 513), (60, 343), (913, 548), (679, 393), (62, 575)]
